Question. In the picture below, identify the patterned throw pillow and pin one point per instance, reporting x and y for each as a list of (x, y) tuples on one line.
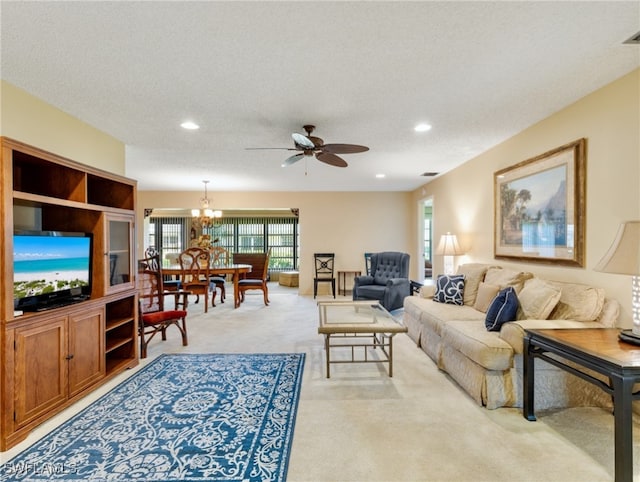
[(450, 289), (503, 308)]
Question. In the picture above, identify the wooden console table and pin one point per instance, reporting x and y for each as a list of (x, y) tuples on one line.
[(599, 350), (342, 280)]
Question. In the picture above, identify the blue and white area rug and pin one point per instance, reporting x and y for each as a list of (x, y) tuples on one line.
[(181, 418)]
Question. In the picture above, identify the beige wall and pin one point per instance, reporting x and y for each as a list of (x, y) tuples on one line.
[(26, 118), (610, 121), (348, 224)]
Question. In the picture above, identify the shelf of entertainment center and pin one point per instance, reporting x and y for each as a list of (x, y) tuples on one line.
[(113, 324), (114, 343), (66, 180), (116, 365), (40, 200)]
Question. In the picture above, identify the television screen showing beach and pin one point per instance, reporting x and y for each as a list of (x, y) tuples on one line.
[(46, 264)]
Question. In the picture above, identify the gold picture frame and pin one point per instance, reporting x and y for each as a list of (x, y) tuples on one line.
[(540, 207)]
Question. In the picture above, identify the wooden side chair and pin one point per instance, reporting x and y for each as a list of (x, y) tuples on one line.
[(153, 318), (195, 271), (323, 263), (367, 264), (259, 275), (152, 255), (219, 257)]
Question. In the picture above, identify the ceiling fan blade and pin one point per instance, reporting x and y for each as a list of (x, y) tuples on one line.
[(331, 159), (344, 148), (292, 159), (302, 141), (270, 148)]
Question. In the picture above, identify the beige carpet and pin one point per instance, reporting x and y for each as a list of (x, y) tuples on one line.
[(361, 425)]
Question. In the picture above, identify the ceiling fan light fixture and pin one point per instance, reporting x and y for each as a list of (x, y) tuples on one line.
[(314, 146)]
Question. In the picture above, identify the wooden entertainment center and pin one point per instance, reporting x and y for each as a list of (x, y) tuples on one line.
[(52, 358)]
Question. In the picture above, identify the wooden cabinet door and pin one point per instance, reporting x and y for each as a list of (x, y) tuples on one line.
[(86, 349), (40, 369), (119, 252)]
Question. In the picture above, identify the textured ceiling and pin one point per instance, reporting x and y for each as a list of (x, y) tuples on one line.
[(251, 73)]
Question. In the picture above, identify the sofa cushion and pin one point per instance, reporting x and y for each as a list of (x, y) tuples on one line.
[(503, 308), (485, 348), (486, 294), (610, 313), (577, 302), (537, 299), (504, 277), (449, 289), (435, 315), (473, 275), (415, 305), (427, 291)]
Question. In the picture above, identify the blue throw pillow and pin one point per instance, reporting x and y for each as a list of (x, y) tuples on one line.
[(450, 289), (503, 308)]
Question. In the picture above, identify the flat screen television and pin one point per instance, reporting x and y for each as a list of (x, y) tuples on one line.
[(50, 269)]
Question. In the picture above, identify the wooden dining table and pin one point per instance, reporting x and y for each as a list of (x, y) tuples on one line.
[(219, 270)]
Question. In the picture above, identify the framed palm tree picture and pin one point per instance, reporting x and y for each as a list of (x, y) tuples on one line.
[(540, 207)]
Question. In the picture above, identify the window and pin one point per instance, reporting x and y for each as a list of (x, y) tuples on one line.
[(251, 235), (283, 241), (236, 235), (169, 236), (428, 214)]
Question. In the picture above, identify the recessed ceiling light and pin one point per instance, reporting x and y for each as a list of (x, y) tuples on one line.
[(189, 125), (380, 176), (422, 128)]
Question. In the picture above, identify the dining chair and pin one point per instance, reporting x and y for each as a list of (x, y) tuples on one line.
[(367, 263), (194, 273), (219, 257), (323, 263), (174, 289), (169, 283), (258, 277), (153, 317)]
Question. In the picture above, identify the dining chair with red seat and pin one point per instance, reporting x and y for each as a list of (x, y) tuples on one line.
[(153, 318)]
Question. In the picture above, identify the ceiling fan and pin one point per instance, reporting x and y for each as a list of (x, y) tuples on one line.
[(310, 145)]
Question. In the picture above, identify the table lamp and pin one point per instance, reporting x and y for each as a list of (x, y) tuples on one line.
[(448, 247), (623, 257)]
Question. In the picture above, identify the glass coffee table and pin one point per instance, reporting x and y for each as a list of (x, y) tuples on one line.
[(358, 327)]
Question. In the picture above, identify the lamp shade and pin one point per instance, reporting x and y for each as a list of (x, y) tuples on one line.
[(449, 246), (623, 257)]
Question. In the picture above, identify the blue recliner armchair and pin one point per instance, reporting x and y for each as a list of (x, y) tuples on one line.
[(388, 282)]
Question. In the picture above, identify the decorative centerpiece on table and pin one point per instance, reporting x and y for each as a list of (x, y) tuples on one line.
[(204, 241)]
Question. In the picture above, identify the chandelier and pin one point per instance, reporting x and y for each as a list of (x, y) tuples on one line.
[(205, 217)]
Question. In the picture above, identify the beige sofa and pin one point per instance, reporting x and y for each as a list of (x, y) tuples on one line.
[(488, 364)]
